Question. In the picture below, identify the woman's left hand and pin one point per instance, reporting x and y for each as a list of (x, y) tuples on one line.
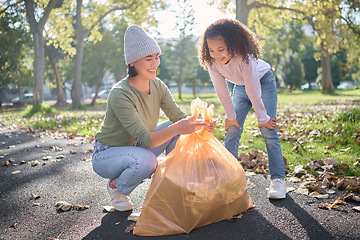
[(271, 124)]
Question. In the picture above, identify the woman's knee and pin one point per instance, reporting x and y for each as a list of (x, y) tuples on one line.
[(147, 163)]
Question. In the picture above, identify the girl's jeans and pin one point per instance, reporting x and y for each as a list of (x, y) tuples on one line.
[(242, 105), (129, 165)]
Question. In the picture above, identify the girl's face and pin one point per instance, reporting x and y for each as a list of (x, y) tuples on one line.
[(146, 67), (218, 49)]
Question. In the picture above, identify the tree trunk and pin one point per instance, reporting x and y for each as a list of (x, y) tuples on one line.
[(98, 83), (76, 98), (60, 94), (38, 80), (39, 46), (326, 80), (179, 87), (242, 11), (194, 87)]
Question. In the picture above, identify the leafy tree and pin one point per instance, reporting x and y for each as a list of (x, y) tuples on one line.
[(116, 63), (54, 54), (310, 64), (88, 18), (37, 24), (339, 70), (185, 23), (291, 69), (167, 62), (325, 17), (96, 61), (15, 53)]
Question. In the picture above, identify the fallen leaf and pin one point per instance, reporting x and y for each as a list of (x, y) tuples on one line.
[(330, 191), (109, 208), (235, 218), (345, 150), (134, 216), (14, 225), (318, 195), (303, 191), (130, 228), (351, 196), (357, 208), (334, 204), (331, 145), (90, 150), (33, 196), (249, 174), (290, 189), (294, 179), (250, 184), (65, 206), (34, 163), (55, 148), (15, 172), (5, 163)]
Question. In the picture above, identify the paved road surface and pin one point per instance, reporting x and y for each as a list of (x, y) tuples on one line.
[(71, 179)]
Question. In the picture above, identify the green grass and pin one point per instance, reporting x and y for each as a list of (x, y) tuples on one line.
[(335, 117)]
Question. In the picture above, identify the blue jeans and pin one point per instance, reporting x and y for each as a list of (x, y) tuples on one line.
[(129, 165), (243, 105)]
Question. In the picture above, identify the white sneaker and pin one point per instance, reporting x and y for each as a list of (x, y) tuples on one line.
[(277, 189), (120, 201)]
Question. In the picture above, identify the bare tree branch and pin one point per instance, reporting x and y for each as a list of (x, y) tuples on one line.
[(87, 33), (46, 15)]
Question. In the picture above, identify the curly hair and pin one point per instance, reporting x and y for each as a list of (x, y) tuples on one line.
[(238, 37)]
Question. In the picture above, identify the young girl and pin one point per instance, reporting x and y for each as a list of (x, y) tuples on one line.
[(129, 140), (230, 51)]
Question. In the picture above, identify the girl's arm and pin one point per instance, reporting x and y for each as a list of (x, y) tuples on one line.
[(222, 91), (253, 89)]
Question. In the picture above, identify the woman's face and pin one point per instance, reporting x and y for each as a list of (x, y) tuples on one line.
[(146, 67), (218, 49)]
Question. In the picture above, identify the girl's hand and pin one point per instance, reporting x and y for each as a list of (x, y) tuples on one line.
[(229, 123), (189, 125), (271, 124), (211, 125)]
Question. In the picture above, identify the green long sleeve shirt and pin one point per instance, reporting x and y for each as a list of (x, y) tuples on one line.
[(132, 115)]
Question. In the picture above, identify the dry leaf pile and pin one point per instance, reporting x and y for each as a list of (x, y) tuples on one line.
[(254, 161), (317, 185)]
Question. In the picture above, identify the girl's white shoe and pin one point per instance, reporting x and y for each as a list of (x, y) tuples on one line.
[(277, 189)]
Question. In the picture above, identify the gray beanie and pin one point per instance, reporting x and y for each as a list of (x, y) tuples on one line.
[(137, 44)]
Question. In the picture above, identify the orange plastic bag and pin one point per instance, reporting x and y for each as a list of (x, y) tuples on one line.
[(198, 183)]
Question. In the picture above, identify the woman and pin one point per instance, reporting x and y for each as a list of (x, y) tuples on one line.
[(129, 140)]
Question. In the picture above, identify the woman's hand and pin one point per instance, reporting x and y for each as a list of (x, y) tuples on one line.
[(271, 124), (229, 123)]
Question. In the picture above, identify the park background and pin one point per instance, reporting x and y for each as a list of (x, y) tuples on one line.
[(71, 52)]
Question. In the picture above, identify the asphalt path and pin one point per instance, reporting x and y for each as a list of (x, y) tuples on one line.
[(64, 173)]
